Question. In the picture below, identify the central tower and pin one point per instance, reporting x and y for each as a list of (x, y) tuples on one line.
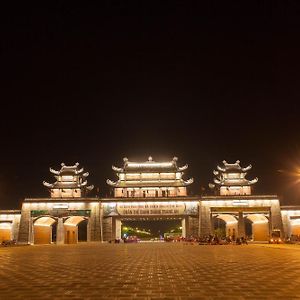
[(150, 179)]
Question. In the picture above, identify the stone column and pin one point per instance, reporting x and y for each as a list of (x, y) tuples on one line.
[(276, 217), (183, 225), (107, 228), (60, 232), (88, 233), (23, 236), (118, 228), (211, 223), (31, 232), (270, 223), (204, 220), (286, 222), (192, 226), (101, 221), (15, 227), (199, 219), (241, 225)]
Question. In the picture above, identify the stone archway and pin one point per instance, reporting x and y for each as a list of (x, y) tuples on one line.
[(260, 227), (295, 227), (231, 224), (42, 230), (71, 229), (5, 231)]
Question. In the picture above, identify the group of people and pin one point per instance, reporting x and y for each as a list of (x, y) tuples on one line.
[(215, 240)]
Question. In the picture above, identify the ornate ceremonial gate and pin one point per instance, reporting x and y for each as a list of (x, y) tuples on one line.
[(148, 190), (116, 212), (45, 221)]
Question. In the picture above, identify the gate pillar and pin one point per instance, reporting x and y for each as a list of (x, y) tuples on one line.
[(60, 232), (183, 225), (241, 225)]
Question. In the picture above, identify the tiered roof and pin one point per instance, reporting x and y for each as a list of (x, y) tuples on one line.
[(150, 174), (69, 177), (232, 175)]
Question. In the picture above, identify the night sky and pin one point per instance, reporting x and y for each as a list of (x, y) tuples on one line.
[(204, 83)]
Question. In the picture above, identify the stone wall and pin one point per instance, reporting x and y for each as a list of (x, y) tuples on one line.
[(23, 236), (108, 229)]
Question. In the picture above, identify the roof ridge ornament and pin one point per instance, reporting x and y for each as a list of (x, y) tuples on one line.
[(54, 171), (183, 167), (247, 168), (117, 169), (150, 158)]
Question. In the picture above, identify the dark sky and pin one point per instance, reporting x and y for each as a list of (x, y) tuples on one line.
[(94, 84)]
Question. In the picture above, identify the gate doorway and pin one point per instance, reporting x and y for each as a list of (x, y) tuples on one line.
[(260, 227), (82, 231), (43, 230), (5, 231), (75, 229), (151, 229), (249, 222), (225, 225)]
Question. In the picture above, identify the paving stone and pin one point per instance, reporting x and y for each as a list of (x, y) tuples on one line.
[(150, 271)]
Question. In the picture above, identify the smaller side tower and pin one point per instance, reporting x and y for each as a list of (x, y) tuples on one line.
[(230, 179), (70, 182)]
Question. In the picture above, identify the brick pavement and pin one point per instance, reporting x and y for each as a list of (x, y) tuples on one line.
[(149, 271)]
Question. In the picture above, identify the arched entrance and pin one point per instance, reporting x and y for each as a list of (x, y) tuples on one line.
[(82, 230), (295, 227), (5, 231), (75, 229), (154, 228), (260, 227), (42, 230), (226, 225)]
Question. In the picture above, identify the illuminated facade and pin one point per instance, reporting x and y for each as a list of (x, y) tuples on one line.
[(70, 182), (150, 179), (235, 205), (147, 191), (231, 179)]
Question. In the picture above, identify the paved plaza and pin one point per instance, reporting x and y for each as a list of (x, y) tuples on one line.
[(150, 271)]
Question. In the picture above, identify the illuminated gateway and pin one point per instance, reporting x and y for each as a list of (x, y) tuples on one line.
[(148, 191), (150, 179)]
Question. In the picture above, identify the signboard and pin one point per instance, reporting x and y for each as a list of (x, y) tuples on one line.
[(125, 209), (240, 203), (36, 213), (61, 205), (61, 213), (150, 208)]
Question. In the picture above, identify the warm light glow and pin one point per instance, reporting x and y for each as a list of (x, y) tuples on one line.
[(5, 225), (73, 221), (240, 203), (61, 205), (231, 222), (151, 165), (67, 178), (295, 222), (257, 218), (44, 221)]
